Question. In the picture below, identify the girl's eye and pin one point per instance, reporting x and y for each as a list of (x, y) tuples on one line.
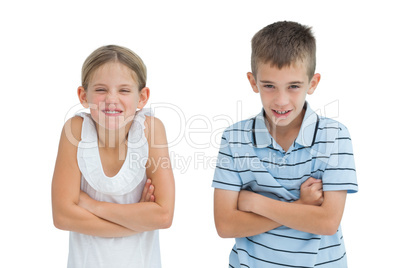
[(125, 90), (100, 89)]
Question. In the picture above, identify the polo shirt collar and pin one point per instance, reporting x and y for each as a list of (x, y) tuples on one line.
[(309, 127), (307, 133)]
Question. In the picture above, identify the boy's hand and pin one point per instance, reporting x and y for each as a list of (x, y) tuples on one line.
[(311, 192), (244, 201), (148, 192)]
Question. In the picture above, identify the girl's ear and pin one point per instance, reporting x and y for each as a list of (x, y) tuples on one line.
[(314, 83), (82, 95), (144, 96), (252, 81)]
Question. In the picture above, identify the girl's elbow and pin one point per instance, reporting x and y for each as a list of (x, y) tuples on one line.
[(62, 219), (166, 220), (59, 222)]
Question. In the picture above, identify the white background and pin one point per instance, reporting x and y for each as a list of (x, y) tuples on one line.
[(197, 54)]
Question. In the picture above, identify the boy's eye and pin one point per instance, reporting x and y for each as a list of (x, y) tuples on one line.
[(269, 86), (294, 87)]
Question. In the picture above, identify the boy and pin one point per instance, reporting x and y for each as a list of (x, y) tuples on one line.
[(282, 177)]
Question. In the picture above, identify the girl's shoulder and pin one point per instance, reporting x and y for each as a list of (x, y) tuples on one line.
[(72, 129), (153, 122), (154, 130)]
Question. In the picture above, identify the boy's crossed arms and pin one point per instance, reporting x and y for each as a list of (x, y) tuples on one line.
[(245, 213)]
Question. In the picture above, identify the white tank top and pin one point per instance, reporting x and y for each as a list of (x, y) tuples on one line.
[(140, 250)]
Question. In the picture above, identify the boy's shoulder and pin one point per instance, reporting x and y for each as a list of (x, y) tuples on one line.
[(245, 125), (326, 123), (239, 132), (331, 130)]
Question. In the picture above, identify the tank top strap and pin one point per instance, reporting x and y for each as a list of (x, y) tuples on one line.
[(136, 135), (89, 137)]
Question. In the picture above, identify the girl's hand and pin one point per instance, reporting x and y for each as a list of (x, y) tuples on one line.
[(311, 192), (148, 192), (86, 201)]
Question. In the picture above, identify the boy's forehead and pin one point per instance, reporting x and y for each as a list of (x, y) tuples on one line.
[(296, 69)]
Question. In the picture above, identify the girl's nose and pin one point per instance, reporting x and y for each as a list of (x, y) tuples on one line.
[(111, 106), (111, 98)]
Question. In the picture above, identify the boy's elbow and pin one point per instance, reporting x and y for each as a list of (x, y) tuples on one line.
[(223, 230), (330, 227), (333, 228), (329, 231), (223, 233)]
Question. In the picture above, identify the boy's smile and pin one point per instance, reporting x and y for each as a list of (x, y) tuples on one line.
[(283, 93)]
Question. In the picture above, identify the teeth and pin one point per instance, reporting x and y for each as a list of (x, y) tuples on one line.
[(281, 112), (112, 112)]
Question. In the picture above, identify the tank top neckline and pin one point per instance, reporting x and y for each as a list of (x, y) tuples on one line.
[(128, 176)]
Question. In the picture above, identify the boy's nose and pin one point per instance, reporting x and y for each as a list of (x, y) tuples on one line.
[(281, 99)]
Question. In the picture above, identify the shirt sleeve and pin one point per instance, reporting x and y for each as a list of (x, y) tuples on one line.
[(226, 175), (340, 172)]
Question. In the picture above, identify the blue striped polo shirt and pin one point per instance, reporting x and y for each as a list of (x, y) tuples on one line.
[(250, 159)]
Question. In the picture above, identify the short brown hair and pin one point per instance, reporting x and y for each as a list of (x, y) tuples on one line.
[(282, 44), (113, 53)]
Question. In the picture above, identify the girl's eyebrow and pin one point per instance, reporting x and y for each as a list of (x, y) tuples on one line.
[(97, 85), (104, 85)]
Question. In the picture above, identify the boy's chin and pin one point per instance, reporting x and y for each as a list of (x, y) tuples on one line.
[(280, 122)]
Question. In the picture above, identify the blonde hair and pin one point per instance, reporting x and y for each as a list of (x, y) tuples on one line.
[(113, 53), (282, 44)]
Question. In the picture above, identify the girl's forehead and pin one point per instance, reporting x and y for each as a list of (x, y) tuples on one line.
[(112, 71)]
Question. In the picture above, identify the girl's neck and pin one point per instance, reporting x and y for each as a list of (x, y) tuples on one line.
[(112, 139)]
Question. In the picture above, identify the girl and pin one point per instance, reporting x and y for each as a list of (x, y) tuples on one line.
[(100, 190)]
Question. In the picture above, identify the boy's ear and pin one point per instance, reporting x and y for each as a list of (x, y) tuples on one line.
[(314, 83), (144, 96), (82, 95), (252, 81)]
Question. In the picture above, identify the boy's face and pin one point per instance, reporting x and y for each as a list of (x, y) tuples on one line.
[(283, 93)]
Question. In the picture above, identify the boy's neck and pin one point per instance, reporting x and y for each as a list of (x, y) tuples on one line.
[(286, 135)]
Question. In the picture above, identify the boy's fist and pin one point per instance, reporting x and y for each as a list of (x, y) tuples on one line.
[(311, 192)]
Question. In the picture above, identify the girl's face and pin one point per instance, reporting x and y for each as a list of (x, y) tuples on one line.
[(113, 95)]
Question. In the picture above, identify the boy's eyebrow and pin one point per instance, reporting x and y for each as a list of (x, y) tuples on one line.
[(269, 82)]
